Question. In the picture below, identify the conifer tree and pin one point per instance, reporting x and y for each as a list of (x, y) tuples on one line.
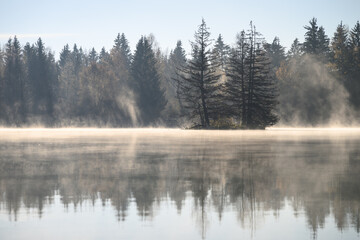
[(237, 82), (64, 55), (93, 56), (146, 81), (323, 48), (339, 47), (276, 52), (295, 50), (251, 89), (122, 46), (354, 65), (14, 83), (220, 53), (311, 43), (177, 61), (198, 79)]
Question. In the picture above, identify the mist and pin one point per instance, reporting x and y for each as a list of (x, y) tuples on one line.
[(313, 96)]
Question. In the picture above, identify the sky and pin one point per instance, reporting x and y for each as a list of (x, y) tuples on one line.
[(96, 23)]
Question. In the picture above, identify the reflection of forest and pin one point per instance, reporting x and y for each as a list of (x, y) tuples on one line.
[(319, 176)]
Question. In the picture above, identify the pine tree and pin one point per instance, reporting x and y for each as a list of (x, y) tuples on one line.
[(276, 52), (323, 48), (42, 84), (14, 83), (220, 53), (64, 55), (198, 79), (122, 45), (177, 61), (295, 50), (262, 92), (236, 86), (311, 43), (104, 55), (150, 97), (93, 57), (354, 65), (339, 47)]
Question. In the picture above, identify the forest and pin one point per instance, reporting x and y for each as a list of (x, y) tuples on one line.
[(250, 84)]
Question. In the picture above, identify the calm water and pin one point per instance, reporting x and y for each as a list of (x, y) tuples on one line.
[(176, 184)]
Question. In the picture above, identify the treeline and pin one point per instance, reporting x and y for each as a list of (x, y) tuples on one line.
[(251, 84)]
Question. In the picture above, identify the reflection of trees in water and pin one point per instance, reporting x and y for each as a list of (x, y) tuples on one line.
[(318, 178)]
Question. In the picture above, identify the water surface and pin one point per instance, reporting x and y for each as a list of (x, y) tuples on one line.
[(176, 184)]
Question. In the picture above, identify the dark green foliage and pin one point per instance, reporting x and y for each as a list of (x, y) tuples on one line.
[(311, 43), (64, 55), (93, 57), (220, 53), (296, 49), (197, 80), (146, 83), (237, 82), (251, 92), (316, 41), (122, 45), (177, 61), (276, 52), (14, 84), (323, 49), (353, 84)]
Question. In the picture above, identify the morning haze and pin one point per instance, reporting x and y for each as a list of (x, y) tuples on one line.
[(180, 120)]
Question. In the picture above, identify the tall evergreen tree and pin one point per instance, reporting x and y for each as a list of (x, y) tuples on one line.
[(236, 86), (64, 55), (177, 61), (354, 66), (151, 99), (14, 83), (323, 48), (93, 57), (251, 90), (262, 92), (43, 96), (220, 53), (198, 79), (276, 52), (339, 47), (311, 43), (122, 45), (295, 50)]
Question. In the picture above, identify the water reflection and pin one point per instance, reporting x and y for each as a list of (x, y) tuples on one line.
[(250, 173)]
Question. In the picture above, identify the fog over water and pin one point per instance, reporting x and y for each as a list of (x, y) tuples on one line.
[(179, 184)]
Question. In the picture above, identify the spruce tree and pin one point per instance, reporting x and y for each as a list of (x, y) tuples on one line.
[(354, 62), (236, 86), (198, 79), (251, 89), (276, 52), (220, 53), (146, 81), (340, 52), (311, 43), (121, 45), (295, 50), (93, 57), (323, 48), (177, 61), (14, 83), (64, 55)]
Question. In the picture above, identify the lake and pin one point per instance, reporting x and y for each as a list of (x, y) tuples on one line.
[(179, 184)]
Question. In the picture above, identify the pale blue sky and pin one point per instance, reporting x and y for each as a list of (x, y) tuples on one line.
[(96, 23)]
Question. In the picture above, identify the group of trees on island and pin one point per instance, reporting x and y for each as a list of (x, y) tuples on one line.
[(251, 84)]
